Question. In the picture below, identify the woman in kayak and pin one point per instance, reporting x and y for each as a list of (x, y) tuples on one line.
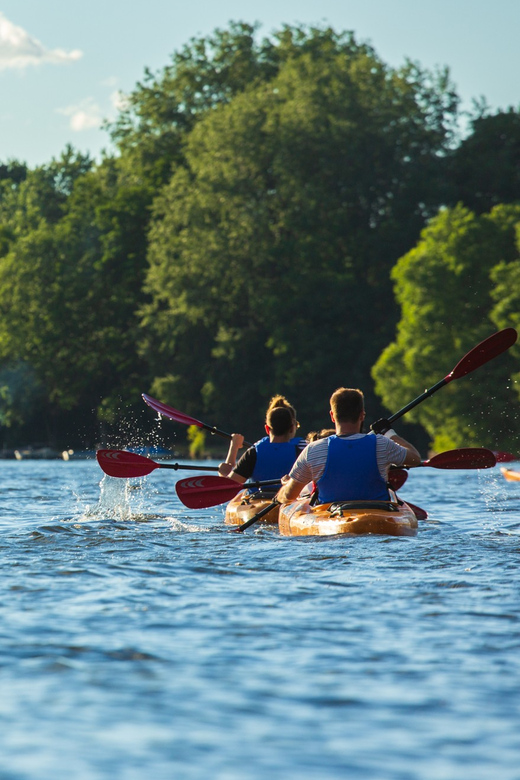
[(274, 455)]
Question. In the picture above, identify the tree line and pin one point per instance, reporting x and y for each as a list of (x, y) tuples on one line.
[(287, 214)]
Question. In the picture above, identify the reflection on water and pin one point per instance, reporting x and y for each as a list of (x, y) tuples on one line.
[(141, 639)]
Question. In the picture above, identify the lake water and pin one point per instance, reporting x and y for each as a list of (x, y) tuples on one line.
[(142, 640)]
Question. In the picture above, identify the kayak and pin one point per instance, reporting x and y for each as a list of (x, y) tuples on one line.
[(510, 474), (388, 518), (245, 505)]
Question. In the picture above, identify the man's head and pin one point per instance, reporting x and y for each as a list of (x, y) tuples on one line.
[(347, 406)]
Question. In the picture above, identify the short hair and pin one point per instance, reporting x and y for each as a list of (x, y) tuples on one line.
[(280, 416), (347, 404)]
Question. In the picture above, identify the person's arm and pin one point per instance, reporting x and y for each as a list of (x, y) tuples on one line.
[(245, 467), (293, 484), (225, 468), (413, 457), (289, 491)]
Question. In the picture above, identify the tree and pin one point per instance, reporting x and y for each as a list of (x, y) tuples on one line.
[(70, 285), (445, 287), (271, 246), (484, 170)]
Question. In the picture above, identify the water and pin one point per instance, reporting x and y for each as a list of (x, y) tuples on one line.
[(140, 640)]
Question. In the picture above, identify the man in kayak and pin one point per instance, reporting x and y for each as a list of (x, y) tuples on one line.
[(274, 455), (349, 465)]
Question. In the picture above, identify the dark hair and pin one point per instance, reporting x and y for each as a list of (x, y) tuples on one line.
[(280, 416), (347, 404)]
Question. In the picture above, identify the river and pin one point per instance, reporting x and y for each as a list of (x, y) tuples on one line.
[(143, 640)]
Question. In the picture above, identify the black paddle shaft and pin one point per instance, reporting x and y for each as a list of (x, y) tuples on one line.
[(258, 516), (418, 400), (177, 466)]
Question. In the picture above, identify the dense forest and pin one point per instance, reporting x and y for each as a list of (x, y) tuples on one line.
[(287, 215)]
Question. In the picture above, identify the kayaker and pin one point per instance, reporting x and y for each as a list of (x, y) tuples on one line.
[(270, 457), (349, 465)]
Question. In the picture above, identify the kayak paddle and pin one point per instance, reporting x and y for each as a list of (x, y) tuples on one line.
[(505, 457), (180, 417), (421, 514), (463, 458), (397, 478), (488, 349), (256, 517), (124, 464), (203, 492)]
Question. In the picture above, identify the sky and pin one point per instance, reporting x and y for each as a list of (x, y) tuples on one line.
[(65, 64)]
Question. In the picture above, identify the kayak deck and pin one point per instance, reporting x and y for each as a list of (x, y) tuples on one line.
[(385, 518), (510, 474), (246, 505)]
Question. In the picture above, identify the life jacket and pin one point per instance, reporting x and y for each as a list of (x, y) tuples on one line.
[(351, 472), (275, 459)]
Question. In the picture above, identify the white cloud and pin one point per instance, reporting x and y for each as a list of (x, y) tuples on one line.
[(119, 100), (18, 49), (88, 114), (83, 116)]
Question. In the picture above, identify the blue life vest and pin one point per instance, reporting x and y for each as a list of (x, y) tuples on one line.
[(273, 459), (351, 472)]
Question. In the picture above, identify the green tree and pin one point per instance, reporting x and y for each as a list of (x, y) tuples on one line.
[(271, 247), (446, 289), (484, 170), (70, 285)]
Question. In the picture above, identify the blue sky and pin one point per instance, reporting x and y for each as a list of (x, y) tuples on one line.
[(63, 63)]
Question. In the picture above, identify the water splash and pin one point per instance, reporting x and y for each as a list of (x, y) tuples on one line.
[(121, 499)]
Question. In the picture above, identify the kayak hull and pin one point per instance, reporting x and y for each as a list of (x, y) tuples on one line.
[(354, 518), (510, 474), (246, 505)]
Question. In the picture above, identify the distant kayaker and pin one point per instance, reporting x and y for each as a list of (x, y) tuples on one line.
[(270, 457), (349, 465)]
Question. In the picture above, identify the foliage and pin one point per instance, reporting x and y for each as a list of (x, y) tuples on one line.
[(20, 394), (271, 247), (197, 440), (70, 282), (445, 289), (241, 242), (484, 170)]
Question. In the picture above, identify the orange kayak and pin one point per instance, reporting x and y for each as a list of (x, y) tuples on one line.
[(510, 474), (245, 505), (387, 518)]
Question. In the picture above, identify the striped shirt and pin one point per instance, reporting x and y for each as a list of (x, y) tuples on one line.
[(311, 463)]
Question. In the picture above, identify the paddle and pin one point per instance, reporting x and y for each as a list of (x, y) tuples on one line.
[(203, 492), (505, 457), (124, 464), (254, 519), (464, 458), (468, 458), (421, 514), (397, 478), (485, 351), (180, 417)]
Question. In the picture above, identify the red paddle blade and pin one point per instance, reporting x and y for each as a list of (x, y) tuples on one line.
[(487, 350), (169, 411), (468, 458), (120, 463), (505, 457), (397, 478), (203, 492), (421, 514)]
